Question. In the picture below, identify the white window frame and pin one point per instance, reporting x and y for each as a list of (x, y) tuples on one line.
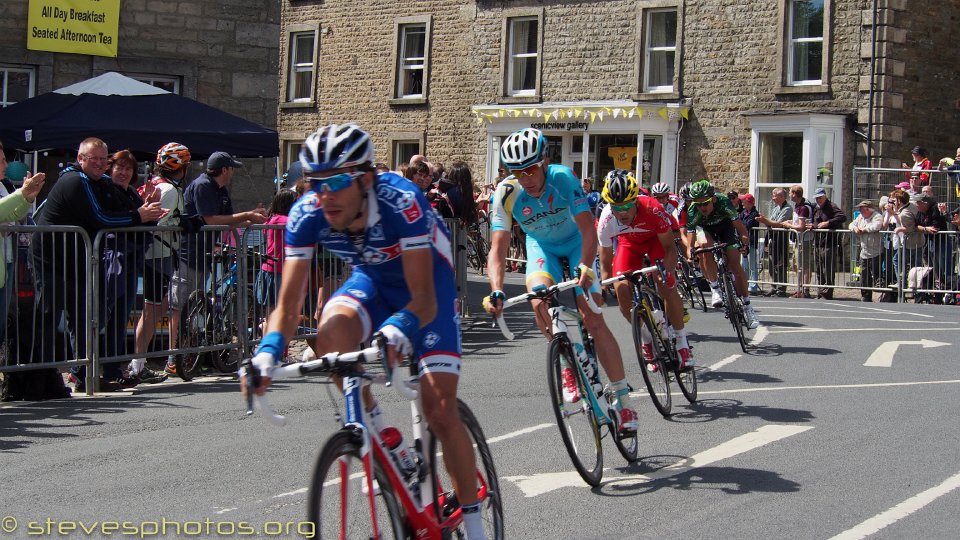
[(153, 80), (511, 56), (648, 48), (407, 64), (295, 68), (811, 126), (792, 42), (4, 71)]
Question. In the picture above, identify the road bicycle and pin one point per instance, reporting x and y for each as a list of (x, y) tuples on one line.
[(477, 246), (214, 316), (648, 320), (580, 422), (732, 303), (358, 488), (688, 280)]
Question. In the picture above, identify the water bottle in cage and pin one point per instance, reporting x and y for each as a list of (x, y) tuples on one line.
[(661, 323), (402, 455)]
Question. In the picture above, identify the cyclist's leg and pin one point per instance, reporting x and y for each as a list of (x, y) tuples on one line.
[(628, 258), (707, 264), (543, 268)]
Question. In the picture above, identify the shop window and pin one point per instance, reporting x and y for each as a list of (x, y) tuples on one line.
[(615, 152), (781, 157), (523, 56), (164, 82), (18, 84), (412, 66), (660, 50)]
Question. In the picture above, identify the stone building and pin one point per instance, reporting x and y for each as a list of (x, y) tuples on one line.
[(221, 53), (753, 94)]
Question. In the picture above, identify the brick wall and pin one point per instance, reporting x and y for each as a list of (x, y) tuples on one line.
[(224, 51)]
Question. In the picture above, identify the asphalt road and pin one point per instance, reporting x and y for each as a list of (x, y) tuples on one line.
[(798, 439)]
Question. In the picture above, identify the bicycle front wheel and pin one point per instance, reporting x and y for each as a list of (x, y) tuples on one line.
[(193, 333), (488, 483), (658, 385), (735, 311), (577, 421), (338, 498)]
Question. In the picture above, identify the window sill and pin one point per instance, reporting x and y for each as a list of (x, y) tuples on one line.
[(804, 89), (298, 105), (510, 100), (656, 96), (408, 101)]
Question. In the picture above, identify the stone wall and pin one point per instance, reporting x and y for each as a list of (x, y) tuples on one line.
[(225, 53)]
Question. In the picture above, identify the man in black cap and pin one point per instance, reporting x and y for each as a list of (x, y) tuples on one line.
[(826, 216)]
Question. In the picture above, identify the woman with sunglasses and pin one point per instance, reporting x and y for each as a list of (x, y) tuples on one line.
[(714, 213), (402, 286), (548, 203), (642, 226)]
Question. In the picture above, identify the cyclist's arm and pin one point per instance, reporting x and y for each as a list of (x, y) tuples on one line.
[(418, 273), (293, 289), (496, 259), (606, 262), (742, 231), (670, 250)]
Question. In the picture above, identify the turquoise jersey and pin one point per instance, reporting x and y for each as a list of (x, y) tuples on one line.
[(547, 219)]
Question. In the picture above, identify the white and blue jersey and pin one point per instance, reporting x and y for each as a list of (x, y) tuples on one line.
[(399, 219), (547, 220)]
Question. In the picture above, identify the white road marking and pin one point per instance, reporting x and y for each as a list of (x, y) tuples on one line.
[(914, 330), (900, 511), (723, 362), (825, 387), (518, 433), (860, 308), (900, 321), (759, 336), (883, 355), (224, 510), (538, 484)]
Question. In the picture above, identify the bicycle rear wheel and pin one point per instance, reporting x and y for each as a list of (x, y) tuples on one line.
[(338, 500), (690, 287), (578, 424), (193, 333), (488, 483), (658, 385), (735, 310), (233, 325)]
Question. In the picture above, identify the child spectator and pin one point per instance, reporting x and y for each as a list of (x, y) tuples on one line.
[(268, 279)]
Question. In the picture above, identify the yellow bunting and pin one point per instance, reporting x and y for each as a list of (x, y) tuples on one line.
[(593, 116), (578, 112), (685, 113), (664, 114)]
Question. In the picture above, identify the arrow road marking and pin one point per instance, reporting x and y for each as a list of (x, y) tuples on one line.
[(900, 511), (883, 355), (538, 484)]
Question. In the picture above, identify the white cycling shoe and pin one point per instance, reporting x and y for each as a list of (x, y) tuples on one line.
[(715, 299), (752, 320)]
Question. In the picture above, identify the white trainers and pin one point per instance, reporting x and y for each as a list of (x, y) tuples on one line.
[(752, 320), (715, 299)]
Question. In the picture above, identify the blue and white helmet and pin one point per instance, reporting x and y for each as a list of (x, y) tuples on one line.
[(336, 147), (523, 148)]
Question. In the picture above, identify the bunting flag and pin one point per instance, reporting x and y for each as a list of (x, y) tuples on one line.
[(591, 114)]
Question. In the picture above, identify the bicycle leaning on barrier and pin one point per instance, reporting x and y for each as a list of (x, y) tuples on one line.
[(594, 404), (370, 484)]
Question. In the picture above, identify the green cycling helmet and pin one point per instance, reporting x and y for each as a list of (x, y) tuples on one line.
[(701, 189)]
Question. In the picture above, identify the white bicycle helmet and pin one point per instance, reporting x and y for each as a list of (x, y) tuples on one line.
[(336, 147), (523, 148), (660, 188)]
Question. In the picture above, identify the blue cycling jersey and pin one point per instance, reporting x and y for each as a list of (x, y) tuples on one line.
[(399, 219), (549, 218)]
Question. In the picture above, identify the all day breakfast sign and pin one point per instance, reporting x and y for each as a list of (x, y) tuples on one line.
[(74, 26)]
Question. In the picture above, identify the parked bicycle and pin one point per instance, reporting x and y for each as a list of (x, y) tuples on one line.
[(477, 248), (214, 316), (580, 422), (360, 488), (649, 324), (732, 303)]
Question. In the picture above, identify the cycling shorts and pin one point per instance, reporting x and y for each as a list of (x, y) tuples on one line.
[(724, 233), (437, 345), (156, 280), (545, 261), (629, 257)]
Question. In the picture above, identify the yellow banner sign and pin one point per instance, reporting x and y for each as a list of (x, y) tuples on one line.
[(74, 26)]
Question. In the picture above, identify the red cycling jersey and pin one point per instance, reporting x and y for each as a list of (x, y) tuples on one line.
[(637, 239)]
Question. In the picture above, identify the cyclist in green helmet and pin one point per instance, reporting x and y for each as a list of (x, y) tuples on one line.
[(715, 215)]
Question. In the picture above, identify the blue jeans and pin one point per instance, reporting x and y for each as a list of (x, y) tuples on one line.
[(749, 264)]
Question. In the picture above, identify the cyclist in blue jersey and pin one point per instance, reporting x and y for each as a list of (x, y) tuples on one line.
[(402, 286), (548, 203)]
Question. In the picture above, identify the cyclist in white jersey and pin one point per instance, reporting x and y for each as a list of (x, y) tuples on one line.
[(548, 203)]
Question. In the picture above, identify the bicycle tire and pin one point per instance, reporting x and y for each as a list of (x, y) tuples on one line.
[(492, 504), (735, 311), (687, 381), (589, 468), (658, 385), (193, 333), (691, 287), (339, 459), (629, 444), (230, 328)]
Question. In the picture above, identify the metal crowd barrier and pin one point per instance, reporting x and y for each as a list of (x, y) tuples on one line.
[(876, 183)]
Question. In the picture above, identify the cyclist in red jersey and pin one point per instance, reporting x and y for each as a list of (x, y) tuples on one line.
[(642, 227)]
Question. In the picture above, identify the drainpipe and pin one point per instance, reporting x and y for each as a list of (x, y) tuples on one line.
[(873, 76)]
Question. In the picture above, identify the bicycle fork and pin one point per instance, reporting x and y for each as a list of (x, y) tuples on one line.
[(564, 318)]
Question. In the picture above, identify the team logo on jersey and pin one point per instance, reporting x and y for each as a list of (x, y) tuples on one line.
[(526, 211), (541, 262), (412, 212), (372, 255), (358, 294), (430, 340), (550, 201), (307, 207), (376, 232)]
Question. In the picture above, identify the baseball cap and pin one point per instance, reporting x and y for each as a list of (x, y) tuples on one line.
[(748, 198), (820, 192), (294, 173), (219, 160), (868, 203), (903, 185)]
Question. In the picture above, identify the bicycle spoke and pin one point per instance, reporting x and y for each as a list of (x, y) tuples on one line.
[(580, 432)]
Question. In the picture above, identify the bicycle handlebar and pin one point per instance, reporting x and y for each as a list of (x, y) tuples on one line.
[(632, 274), (543, 294)]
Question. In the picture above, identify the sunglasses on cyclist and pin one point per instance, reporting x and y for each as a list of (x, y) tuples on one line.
[(622, 207), (528, 171), (336, 182), (700, 202)]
